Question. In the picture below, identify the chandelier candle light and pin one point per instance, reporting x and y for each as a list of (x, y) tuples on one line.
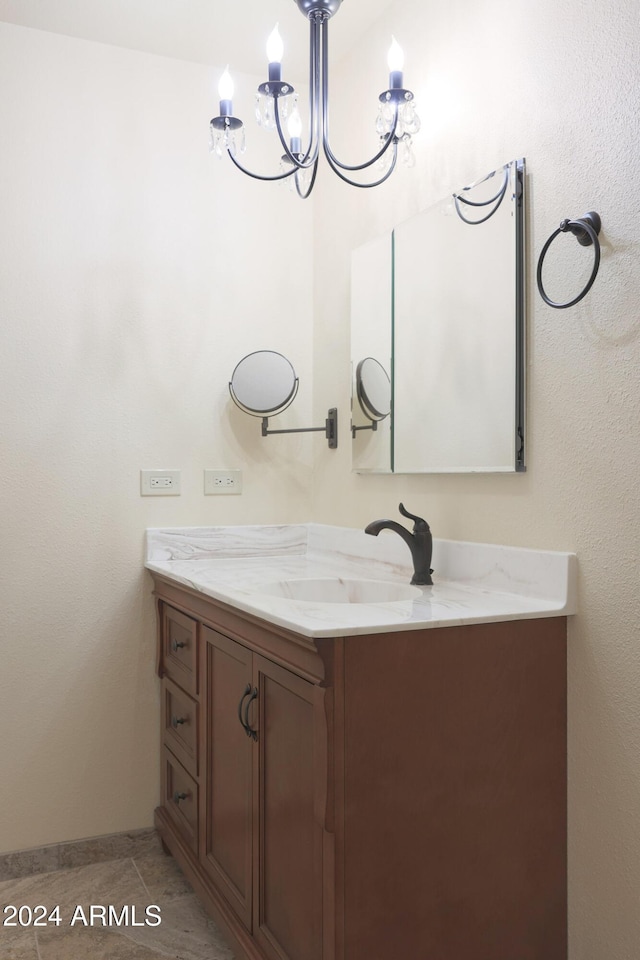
[(277, 102)]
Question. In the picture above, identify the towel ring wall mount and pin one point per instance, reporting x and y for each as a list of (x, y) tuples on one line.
[(585, 230)]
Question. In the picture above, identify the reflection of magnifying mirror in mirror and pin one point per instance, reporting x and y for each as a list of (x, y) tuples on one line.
[(373, 389), (263, 383)]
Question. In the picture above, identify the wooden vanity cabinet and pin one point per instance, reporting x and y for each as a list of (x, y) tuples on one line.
[(260, 837), (371, 797), (245, 818)]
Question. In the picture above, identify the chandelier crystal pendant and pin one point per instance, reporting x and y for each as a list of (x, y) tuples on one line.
[(277, 107)]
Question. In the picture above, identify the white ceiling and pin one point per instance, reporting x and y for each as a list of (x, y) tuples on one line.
[(205, 31)]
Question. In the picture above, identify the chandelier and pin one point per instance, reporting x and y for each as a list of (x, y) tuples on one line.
[(277, 107)]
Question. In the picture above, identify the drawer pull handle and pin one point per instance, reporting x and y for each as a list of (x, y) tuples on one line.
[(176, 721), (246, 693), (248, 729), (177, 645), (177, 797)]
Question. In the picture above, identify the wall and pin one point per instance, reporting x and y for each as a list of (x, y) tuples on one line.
[(557, 84), (135, 271)]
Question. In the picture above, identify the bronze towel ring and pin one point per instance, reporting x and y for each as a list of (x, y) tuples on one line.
[(585, 230)]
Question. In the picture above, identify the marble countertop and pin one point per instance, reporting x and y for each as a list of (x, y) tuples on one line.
[(473, 583)]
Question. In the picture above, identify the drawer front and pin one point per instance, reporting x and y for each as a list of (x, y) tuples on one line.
[(179, 653), (180, 798), (180, 723)]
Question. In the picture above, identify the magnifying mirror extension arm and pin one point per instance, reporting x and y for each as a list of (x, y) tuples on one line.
[(330, 428), (369, 426)]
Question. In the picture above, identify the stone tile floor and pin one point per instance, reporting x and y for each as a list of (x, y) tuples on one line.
[(184, 933)]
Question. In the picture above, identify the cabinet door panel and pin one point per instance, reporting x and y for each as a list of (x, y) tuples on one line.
[(288, 878), (227, 815), (455, 794)]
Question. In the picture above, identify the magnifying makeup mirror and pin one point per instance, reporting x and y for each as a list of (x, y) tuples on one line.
[(373, 390), (264, 383)]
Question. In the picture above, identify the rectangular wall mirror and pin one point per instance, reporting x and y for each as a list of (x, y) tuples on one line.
[(438, 307)]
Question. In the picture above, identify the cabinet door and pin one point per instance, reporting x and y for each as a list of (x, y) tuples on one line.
[(288, 795), (226, 810)]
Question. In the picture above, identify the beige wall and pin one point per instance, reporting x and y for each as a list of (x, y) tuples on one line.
[(132, 279), (558, 84)]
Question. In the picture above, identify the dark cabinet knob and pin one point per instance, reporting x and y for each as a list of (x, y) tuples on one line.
[(177, 797), (177, 645), (176, 721)]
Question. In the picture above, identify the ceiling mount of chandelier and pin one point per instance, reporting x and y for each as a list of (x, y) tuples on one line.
[(277, 106)]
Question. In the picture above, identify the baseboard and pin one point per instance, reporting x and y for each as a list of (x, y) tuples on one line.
[(78, 853)]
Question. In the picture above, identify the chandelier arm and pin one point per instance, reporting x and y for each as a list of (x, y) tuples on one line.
[(259, 176), (312, 152), (484, 203), (331, 157), (314, 86), (373, 183), (473, 223), (389, 139), (303, 194), (497, 199)]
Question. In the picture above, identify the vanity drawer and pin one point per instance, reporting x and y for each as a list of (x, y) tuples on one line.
[(179, 648), (180, 798), (180, 725)]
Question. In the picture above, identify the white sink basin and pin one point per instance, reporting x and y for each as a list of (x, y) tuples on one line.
[(338, 590)]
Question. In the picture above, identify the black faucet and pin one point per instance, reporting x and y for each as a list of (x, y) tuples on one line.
[(419, 542)]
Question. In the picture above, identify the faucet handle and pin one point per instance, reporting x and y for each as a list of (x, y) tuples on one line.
[(419, 523)]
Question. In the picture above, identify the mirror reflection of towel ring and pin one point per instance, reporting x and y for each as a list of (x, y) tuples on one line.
[(585, 230), (497, 198), (264, 383)]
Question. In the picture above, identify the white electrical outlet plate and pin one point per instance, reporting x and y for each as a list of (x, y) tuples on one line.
[(218, 482), (159, 483)]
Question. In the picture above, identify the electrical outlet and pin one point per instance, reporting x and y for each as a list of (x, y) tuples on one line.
[(218, 482), (159, 483)]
